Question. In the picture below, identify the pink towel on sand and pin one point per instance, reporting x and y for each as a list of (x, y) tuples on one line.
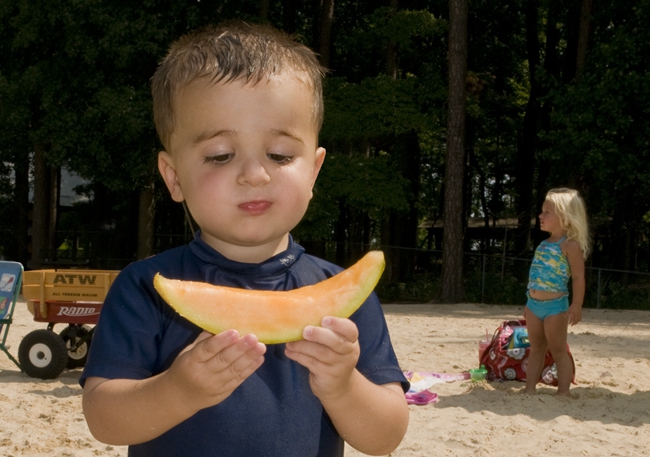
[(419, 393)]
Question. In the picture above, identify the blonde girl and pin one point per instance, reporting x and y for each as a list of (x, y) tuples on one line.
[(557, 259)]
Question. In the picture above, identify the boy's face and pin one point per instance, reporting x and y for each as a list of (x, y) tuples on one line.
[(245, 159)]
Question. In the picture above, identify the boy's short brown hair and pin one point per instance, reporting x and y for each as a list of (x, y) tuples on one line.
[(228, 52)]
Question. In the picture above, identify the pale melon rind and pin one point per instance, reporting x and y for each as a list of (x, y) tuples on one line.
[(273, 316)]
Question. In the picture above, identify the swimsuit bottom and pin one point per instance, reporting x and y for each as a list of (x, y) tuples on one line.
[(544, 308)]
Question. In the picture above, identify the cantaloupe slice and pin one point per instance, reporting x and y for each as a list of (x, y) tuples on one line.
[(273, 316)]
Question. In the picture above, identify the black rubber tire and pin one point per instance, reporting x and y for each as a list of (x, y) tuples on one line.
[(42, 354), (76, 358)]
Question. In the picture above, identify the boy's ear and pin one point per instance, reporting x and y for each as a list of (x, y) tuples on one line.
[(168, 173), (318, 163)]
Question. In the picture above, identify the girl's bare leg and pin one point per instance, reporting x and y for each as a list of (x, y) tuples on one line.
[(555, 328), (538, 347)]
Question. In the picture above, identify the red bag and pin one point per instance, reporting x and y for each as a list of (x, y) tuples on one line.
[(506, 357)]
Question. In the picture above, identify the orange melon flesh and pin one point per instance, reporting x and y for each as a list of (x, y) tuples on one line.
[(273, 316)]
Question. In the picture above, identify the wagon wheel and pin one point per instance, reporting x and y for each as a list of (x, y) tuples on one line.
[(77, 341), (42, 354)]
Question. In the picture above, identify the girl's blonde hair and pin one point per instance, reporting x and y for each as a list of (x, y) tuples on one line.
[(571, 209)]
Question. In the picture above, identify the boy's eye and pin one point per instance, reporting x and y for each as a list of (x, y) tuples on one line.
[(219, 159), (279, 158)]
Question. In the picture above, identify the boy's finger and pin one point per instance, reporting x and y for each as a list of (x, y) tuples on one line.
[(203, 336), (207, 345), (343, 327), (238, 355), (336, 335), (241, 370), (244, 365)]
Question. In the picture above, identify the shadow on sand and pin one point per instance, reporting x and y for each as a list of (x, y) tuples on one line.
[(586, 404)]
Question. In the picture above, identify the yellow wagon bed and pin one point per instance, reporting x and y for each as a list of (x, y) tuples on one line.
[(71, 297)]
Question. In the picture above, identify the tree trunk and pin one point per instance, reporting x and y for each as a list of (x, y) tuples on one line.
[(391, 48), (583, 37), (340, 233), (47, 184), (405, 223), (289, 16), (386, 243), (101, 219), (21, 199), (527, 144), (146, 222), (452, 242), (264, 10), (325, 38), (543, 124), (53, 210), (474, 165), (40, 208)]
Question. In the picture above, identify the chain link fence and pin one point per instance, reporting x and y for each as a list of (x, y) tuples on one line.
[(413, 275), (502, 277), (499, 279)]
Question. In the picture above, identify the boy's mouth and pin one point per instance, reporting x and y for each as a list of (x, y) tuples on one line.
[(255, 207)]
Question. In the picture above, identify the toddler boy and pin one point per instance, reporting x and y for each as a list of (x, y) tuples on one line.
[(238, 109)]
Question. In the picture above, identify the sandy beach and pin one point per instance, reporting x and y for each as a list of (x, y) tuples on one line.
[(608, 414)]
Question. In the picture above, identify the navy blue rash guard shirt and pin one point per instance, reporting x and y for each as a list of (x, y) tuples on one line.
[(273, 413)]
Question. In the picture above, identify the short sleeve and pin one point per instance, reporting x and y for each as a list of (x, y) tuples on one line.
[(377, 361), (132, 338)]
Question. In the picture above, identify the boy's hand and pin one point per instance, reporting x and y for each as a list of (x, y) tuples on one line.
[(330, 352), (210, 369)]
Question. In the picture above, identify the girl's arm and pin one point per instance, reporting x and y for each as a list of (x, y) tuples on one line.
[(577, 264)]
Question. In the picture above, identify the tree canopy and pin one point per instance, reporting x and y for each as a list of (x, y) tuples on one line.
[(555, 97)]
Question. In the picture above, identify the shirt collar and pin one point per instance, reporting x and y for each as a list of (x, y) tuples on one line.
[(276, 265)]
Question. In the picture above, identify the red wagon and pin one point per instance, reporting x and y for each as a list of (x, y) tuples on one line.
[(73, 298)]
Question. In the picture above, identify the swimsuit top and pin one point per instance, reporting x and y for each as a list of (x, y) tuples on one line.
[(550, 270)]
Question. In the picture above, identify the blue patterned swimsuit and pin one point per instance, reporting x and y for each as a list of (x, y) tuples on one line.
[(549, 272)]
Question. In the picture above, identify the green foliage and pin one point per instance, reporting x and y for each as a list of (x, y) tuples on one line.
[(492, 287), (599, 140), (402, 27), (619, 295), (421, 289), (74, 78), (376, 108), (363, 37), (365, 184), (75, 61)]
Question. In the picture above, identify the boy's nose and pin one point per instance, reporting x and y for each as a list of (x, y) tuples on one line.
[(253, 174)]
